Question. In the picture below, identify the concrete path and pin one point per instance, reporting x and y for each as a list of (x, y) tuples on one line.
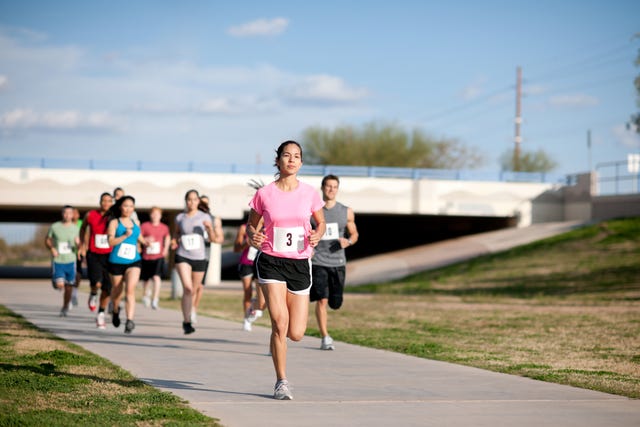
[(226, 373)]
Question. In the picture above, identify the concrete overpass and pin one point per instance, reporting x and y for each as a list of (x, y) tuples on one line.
[(27, 191)]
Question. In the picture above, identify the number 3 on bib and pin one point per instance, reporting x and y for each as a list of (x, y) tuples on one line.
[(288, 239)]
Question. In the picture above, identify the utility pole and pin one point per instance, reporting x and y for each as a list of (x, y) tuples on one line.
[(517, 139)]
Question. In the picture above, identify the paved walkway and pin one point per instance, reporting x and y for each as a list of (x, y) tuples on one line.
[(226, 373)]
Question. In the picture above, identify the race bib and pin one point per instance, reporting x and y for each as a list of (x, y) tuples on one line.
[(288, 239), (331, 232), (191, 242), (101, 241), (253, 252), (64, 248), (153, 248), (127, 251)]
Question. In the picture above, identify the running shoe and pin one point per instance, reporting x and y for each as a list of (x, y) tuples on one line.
[(100, 323), (281, 391), (74, 300), (93, 302), (246, 325), (327, 343), (115, 318), (154, 304), (146, 300), (194, 316), (129, 326), (250, 315), (187, 328), (63, 312)]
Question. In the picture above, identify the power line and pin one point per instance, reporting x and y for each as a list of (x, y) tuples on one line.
[(466, 106)]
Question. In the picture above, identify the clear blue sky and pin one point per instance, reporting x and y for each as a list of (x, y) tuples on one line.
[(226, 82)]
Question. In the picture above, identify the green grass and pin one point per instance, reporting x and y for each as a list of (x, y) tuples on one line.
[(47, 381)]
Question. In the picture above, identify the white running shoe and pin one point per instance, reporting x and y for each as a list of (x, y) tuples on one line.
[(93, 302), (154, 304), (281, 391), (194, 317), (250, 316), (100, 323), (327, 343), (246, 325), (146, 300)]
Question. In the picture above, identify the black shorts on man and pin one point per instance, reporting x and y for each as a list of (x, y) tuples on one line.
[(328, 282), (98, 271)]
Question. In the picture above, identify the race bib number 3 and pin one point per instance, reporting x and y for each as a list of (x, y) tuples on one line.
[(331, 232), (101, 241), (191, 242), (153, 248), (288, 239), (127, 251), (64, 248)]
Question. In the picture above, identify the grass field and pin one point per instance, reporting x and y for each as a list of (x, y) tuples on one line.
[(563, 310)]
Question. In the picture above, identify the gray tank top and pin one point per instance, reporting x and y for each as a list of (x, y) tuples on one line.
[(328, 253), (192, 231)]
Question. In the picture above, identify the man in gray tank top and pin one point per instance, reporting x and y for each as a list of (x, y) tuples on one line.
[(328, 264)]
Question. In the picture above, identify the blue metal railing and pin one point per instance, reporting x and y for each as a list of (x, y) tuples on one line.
[(264, 169), (615, 178)]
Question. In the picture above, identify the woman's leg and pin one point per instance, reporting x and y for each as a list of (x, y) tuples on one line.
[(298, 306), (184, 271), (247, 292), (116, 291), (276, 297), (132, 276)]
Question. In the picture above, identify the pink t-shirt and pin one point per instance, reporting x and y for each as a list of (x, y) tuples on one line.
[(286, 219), (156, 233)]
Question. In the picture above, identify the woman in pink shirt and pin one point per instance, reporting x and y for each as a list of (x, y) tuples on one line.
[(286, 243)]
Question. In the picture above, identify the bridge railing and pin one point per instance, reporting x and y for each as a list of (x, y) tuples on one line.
[(617, 178), (264, 169)]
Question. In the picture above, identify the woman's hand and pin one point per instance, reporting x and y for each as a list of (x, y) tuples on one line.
[(314, 238), (256, 238)]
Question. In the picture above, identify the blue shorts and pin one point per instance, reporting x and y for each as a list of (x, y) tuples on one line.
[(63, 273)]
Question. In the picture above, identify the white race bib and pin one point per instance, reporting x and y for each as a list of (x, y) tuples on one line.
[(331, 232), (127, 251), (191, 242), (251, 255), (64, 248), (288, 239), (153, 248), (101, 241)]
